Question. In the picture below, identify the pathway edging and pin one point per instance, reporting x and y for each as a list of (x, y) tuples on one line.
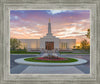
[(22, 61)]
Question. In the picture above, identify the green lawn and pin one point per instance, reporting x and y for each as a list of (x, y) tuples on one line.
[(39, 53), (25, 52), (72, 53), (49, 61)]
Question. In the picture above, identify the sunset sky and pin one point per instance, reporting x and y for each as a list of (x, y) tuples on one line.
[(65, 24)]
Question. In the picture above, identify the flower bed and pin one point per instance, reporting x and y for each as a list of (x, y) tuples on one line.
[(47, 60), (51, 58)]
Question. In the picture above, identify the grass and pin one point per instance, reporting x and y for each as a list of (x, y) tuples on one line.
[(25, 52), (72, 53), (49, 61), (39, 53)]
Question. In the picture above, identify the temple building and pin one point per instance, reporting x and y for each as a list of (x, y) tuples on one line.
[(48, 42)]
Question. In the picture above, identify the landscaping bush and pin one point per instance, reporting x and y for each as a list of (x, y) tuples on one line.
[(19, 51), (22, 51), (76, 49)]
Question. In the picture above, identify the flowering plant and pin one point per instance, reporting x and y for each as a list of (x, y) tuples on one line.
[(51, 58)]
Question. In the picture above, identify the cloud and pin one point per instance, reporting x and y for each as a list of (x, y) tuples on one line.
[(70, 32), (57, 11), (15, 32), (65, 24)]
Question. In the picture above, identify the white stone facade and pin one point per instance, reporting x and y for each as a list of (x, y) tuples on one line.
[(49, 39), (38, 44)]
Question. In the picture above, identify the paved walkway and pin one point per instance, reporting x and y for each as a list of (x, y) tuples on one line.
[(51, 70), (25, 69)]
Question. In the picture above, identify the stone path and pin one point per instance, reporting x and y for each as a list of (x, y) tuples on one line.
[(51, 70), (25, 69), (18, 69)]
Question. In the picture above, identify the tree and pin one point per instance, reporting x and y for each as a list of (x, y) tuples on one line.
[(85, 45), (88, 33), (14, 43)]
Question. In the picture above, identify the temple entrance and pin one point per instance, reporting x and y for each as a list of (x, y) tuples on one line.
[(49, 45)]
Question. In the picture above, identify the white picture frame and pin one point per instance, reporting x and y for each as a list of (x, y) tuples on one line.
[(7, 5)]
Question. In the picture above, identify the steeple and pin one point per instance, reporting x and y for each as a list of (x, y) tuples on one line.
[(49, 20), (49, 28)]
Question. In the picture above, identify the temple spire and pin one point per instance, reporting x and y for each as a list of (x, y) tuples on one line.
[(49, 20), (49, 28)]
